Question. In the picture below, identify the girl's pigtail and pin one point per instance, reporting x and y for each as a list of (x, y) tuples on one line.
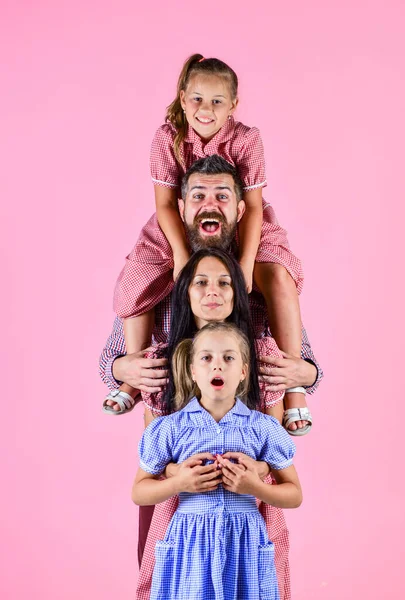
[(182, 379), (175, 112)]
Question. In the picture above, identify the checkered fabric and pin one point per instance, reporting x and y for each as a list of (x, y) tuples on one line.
[(240, 145), (216, 546), (147, 275), (276, 530), (115, 345)]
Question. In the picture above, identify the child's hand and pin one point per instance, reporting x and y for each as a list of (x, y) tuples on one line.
[(194, 478), (237, 477), (258, 466), (247, 270), (179, 261)]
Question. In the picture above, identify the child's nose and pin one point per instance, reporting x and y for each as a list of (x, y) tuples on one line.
[(205, 106)]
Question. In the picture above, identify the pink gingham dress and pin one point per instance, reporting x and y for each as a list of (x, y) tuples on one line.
[(147, 276)]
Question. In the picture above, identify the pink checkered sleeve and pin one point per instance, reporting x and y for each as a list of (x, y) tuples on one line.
[(267, 346), (250, 161), (164, 168), (114, 348)]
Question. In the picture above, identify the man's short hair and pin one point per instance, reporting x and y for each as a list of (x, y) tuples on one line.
[(213, 165)]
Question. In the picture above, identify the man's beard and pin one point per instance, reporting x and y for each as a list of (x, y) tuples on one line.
[(223, 240)]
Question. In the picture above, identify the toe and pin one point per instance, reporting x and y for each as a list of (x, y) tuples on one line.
[(293, 426)]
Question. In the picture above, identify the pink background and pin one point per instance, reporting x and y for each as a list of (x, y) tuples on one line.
[(84, 87)]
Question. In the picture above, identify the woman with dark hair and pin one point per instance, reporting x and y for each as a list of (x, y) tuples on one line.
[(183, 321), (211, 288)]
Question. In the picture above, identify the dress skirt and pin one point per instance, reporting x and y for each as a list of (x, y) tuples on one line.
[(217, 554)]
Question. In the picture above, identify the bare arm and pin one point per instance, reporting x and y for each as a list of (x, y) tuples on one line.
[(171, 224), (190, 477), (149, 489), (250, 228)]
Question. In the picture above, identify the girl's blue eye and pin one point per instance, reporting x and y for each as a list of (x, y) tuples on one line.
[(229, 358), (216, 101), (197, 99)]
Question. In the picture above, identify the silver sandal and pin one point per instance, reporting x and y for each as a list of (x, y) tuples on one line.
[(291, 415), (124, 401)]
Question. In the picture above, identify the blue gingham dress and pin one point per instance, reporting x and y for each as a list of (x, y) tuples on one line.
[(216, 546)]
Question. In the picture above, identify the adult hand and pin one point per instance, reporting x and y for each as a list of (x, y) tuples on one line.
[(282, 373), (192, 477), (260, 467), (240, 478), (145, 374)]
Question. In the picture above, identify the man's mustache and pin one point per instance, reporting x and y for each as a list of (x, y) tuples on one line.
[(210, 215)]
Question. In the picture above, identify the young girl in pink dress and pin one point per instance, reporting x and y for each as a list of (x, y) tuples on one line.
[(199, 123)]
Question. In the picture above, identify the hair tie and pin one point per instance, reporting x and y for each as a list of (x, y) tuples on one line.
[(201, 59)]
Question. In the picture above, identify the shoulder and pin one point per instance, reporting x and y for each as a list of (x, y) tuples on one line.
[(164, 135), (245, 133), (259, 419)]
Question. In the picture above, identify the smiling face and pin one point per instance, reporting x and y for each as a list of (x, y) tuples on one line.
[(217, 365), (211, 210), (210, 292), (207, 102)]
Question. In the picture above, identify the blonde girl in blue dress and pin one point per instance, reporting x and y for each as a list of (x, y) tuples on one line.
[(216, 546)]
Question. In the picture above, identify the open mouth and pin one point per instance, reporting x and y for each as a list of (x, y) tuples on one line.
[(210, 226), (217, 383)]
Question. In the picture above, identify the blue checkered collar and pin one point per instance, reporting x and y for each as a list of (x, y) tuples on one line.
[(239, 409)]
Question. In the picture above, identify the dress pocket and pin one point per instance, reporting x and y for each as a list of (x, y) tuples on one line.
[(163, 573), (267, 573)]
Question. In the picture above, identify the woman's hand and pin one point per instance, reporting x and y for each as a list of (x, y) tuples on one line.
[(141, 373), (261, 468), (192, 477), (241, 477), (282, 373)]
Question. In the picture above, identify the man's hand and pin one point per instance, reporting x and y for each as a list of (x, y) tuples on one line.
[(258, 466), (145, 374), (282, 373), (241, 477), (194, 478)]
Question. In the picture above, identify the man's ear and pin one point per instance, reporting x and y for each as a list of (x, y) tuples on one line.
[(181, 209), (240, 210)]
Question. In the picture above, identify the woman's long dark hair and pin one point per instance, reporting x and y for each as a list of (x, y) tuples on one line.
[(182, 322)]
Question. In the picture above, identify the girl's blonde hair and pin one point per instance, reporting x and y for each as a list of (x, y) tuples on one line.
[(194, 65), (185, 387)]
